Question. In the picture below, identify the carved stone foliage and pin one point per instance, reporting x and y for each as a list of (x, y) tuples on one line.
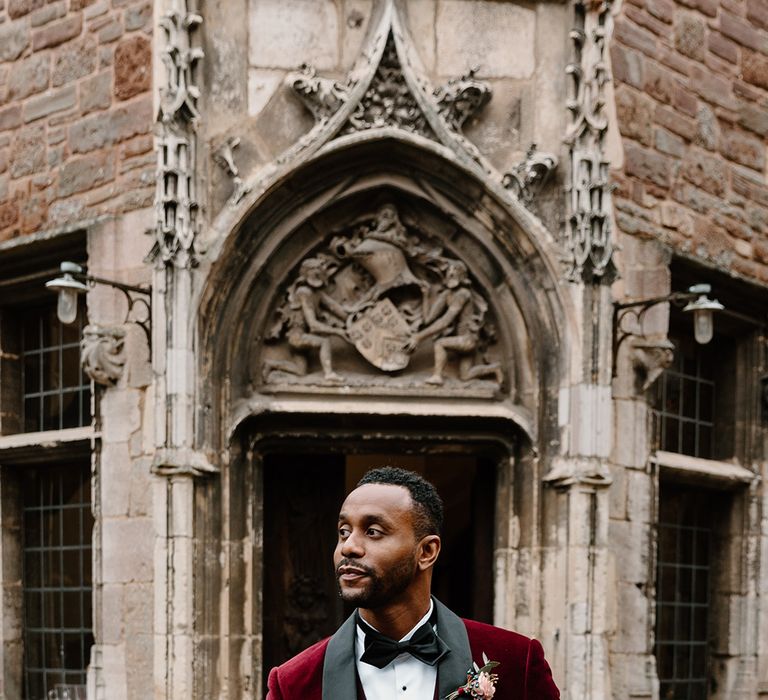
[(462, 97), (588, 238), (321, 96), (176, 199), (102, 353), (382, 303), (528, 177), (224, 157), (388, 100)]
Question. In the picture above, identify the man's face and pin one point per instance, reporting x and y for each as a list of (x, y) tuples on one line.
[(376, 557)]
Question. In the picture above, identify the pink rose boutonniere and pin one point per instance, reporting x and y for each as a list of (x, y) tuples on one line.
[(481, 683)]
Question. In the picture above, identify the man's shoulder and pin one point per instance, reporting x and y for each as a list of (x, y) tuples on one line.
[(495, 639), (301, 676), (305, 660)]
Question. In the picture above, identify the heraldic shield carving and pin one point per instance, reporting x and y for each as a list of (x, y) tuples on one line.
[(381, 303)]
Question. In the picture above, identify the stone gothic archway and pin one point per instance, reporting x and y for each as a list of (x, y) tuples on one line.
[(321, 315)]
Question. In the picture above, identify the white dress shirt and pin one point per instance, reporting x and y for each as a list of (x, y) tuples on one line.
[(404, 678)]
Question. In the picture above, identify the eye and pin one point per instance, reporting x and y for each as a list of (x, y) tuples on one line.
[(344, 532), (373, 532)]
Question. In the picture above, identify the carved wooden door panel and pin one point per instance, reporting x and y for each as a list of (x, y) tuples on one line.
[(302, 495)]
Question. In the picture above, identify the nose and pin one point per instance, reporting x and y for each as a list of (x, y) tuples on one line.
[(352, 547)]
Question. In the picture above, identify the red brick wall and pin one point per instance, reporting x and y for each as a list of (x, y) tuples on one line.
[(75, 111), (691, 82)]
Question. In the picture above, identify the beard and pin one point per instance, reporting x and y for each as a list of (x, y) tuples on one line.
[(380, 589)]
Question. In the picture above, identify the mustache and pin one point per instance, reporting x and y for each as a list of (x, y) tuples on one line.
[(355, 564)]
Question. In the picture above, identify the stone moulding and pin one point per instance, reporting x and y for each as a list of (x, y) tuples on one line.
[(176, 202), (102, 353), (182, 462), (567, 472), (588, 238)]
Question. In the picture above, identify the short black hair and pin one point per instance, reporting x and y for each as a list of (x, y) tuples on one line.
[(427, 504)]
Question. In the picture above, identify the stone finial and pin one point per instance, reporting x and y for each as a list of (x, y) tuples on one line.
[(102, 353)]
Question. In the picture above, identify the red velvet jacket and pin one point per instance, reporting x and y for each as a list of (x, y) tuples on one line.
[(326, 671)]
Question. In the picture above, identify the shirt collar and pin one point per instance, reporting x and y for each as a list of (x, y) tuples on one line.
[(361, 634)]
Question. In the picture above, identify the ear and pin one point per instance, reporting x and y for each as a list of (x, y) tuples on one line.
[(429, 549)]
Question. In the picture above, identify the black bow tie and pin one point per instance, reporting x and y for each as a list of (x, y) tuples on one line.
[(424, 644)]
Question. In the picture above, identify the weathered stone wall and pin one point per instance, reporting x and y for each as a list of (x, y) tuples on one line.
[(75, 111), (691, 87)]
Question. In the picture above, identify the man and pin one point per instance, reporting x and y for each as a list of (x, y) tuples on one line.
[(401, 643)]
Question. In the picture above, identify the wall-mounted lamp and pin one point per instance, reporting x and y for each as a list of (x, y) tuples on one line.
[(695, 300), (75, 281)]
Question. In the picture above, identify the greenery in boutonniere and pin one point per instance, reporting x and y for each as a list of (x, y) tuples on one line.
[(481, 683)]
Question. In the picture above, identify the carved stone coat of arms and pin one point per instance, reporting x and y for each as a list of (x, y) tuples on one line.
[(385, 294)]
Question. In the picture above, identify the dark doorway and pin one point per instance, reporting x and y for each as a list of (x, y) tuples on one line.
[(302, 496)]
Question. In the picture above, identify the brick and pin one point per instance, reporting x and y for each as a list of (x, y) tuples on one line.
[(111, 32), (685, 101), (667, 142), (28, 152), (635, 37), (627, 66), (33, 211), (659, 82), (754, 118), (81, 4), (750, 185), (708, 7), (85, 173), (74, 62), (755, 69), (675, 122), (634, 111), (672, 59), (138, 17), (646, 164), (132, 67), (744, 149), (14, 38), (757, 12), (705, 171), (9, 213), (50, 103), (57, 33), (19, 8), (48, 13), (661, 9), (10, 117), (707, 128), (690, 36), (722, 47), (742, 32), (694, 198), (29, 77), (712, 88), (648, 21), (110, 127), (96, 93)]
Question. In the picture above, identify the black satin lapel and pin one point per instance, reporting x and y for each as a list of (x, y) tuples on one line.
[(339, 673), (452, 669)]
